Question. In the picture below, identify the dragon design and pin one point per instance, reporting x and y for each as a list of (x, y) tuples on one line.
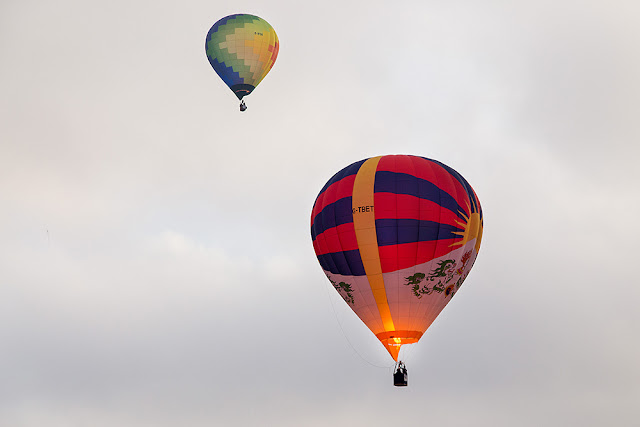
[(442, 275), (415, 279), (345, 291), (446, 268)]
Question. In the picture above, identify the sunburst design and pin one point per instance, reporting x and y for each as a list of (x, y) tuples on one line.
[(472, 228)]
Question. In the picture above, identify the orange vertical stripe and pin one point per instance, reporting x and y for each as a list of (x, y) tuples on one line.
[(364, 222)]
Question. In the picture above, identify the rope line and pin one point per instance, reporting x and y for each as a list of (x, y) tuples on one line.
[(347, 338)]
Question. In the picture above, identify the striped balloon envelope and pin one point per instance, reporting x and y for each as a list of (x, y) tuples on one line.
[(242, 49), (396, 236)]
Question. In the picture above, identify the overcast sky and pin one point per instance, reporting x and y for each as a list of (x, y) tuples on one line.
[(156, 266)]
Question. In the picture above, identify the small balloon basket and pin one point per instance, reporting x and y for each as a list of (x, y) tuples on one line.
[(400, 376)]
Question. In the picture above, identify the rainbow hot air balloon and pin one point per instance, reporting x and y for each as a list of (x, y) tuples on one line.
[(242, 49), (397, 236)]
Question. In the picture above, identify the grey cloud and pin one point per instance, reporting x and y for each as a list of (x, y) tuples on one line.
[(155, 260)]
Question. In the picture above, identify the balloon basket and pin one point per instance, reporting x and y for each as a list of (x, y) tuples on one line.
[(400, 376)]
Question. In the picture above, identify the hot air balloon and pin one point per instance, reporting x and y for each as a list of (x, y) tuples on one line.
[(242, 49), (396, 236)]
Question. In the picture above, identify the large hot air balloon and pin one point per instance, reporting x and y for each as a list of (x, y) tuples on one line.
[(242, 49), (396, 237)]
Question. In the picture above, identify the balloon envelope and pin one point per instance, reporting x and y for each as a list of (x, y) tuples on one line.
[(242, 49), (396, 236)]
